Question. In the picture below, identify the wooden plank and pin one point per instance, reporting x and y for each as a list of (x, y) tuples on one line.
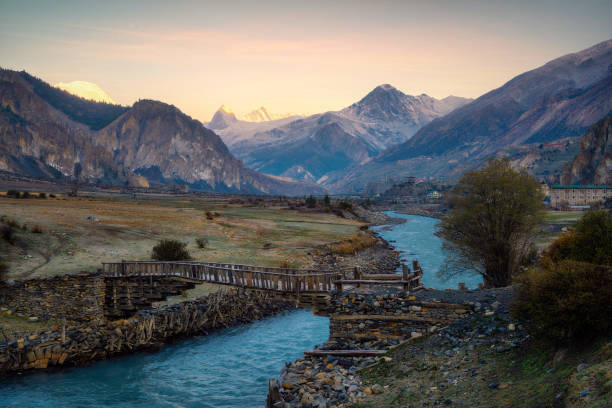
[(398, 318), (381, 277), (377, 282), (345, 353)]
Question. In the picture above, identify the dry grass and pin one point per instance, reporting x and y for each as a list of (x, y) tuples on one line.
[(78, 234), (13, 325), (359, 241)]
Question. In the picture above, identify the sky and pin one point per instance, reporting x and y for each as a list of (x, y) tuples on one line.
[(302, 57)]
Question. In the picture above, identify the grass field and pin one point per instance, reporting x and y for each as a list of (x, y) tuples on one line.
[(78, 234), (553, 224)]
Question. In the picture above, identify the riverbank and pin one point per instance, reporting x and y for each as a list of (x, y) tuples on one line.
[(82, 344)]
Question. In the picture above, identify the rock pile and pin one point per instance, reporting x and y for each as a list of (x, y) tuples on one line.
[(320, 382), (360, 320)]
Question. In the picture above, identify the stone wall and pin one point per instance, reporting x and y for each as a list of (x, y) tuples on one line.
[(395, 315), (77, 298), (87, 342)]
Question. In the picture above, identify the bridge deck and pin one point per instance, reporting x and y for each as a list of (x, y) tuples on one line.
[(287, 280)]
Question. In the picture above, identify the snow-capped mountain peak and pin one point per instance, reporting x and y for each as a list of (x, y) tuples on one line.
[(263, 115)]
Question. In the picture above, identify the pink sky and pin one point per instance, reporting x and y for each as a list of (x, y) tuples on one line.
[(302, 59)]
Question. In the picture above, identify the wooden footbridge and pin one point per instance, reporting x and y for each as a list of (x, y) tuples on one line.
[(285, 280), (135, 285)]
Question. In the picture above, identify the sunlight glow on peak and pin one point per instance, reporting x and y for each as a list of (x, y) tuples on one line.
[(86, 90), (225, 109)]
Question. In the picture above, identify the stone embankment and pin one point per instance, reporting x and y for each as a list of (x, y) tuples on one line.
[(362, 320), (91, 341), (76, 298)]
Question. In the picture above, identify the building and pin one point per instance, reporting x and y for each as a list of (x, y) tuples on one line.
[(576, 195), (434, 195)]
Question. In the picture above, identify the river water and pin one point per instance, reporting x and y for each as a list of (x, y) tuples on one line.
[(229, 368), (416, 239)]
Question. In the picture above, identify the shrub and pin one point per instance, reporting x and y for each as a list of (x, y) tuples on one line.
[(7, 232), (52, 195), (26, 194), (13, 193), (287, 264), (345, 205), (565, 302), (209, 215), (590, 241), (42, 195), (3, 272), (37, 229), (170, 250), (201, 242)]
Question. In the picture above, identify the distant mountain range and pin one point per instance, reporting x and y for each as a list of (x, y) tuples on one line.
[(312, 147), (561, 99), (261, 114), (44, 131), (537, 119)]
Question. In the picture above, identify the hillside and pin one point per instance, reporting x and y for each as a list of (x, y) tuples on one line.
[(593, 163), (558, 100), (45, 131)]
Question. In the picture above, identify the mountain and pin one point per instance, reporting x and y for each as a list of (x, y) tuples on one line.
[(312, 147), (593, 163), (560, 99), (85, 90), (238, 132), (223, 118), (262, 115), (44, 131)]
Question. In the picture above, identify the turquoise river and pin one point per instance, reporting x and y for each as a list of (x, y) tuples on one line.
[(229, 368)]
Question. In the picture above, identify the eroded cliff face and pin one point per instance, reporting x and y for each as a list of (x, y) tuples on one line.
[(154, 137), (38, 140), (593, 164), (149, 143)]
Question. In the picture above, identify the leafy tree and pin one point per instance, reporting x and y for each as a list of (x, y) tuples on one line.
[(326, 200), (170, 250), (76, 174), (489, 226), (311, 202)]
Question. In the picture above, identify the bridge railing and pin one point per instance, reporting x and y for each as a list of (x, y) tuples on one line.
[(248, 276)]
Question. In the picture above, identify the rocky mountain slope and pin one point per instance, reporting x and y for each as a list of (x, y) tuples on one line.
[(312, 147), (558, 100), (44, 131), (593, 163)]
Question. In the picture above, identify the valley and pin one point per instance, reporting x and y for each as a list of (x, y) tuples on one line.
[(78, 234)]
